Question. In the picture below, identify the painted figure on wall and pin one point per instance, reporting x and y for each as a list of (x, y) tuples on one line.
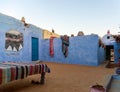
[(14, 41)]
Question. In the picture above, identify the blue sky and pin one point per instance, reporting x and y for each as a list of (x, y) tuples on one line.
[(67, 16)]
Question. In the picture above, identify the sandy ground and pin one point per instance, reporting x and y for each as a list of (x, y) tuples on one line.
[(63, 78)]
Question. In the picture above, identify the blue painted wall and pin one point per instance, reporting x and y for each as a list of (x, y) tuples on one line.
[(101, 55), (8, 23), (82, 50), (116, 53)]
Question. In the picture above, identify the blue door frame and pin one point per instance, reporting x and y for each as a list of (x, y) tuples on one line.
[(35, 49)]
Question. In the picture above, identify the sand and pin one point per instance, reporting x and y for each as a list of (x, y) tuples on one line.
[(63, 78)]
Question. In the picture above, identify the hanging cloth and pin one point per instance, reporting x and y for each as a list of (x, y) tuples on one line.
[(65, 44), (51, 46)]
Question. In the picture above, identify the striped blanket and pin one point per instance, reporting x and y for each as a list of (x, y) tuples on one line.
[(10, 71)]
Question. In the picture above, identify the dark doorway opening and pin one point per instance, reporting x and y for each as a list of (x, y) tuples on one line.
[(110, 53)]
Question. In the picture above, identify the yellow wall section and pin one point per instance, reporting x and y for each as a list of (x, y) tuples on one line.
[(47, 34)]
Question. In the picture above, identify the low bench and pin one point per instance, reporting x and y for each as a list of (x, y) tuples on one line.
[(10, 71)]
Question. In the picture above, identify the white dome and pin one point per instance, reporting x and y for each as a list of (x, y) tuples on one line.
[(108, 39)]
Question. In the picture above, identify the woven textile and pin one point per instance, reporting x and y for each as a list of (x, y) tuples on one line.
[(10, 71)]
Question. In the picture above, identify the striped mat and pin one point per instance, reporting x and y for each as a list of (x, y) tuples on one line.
[(10, 71)]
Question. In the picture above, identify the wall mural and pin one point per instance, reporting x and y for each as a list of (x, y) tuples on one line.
[(14, 41)]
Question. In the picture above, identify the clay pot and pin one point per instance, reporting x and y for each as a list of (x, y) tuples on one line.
[(97, 88)]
